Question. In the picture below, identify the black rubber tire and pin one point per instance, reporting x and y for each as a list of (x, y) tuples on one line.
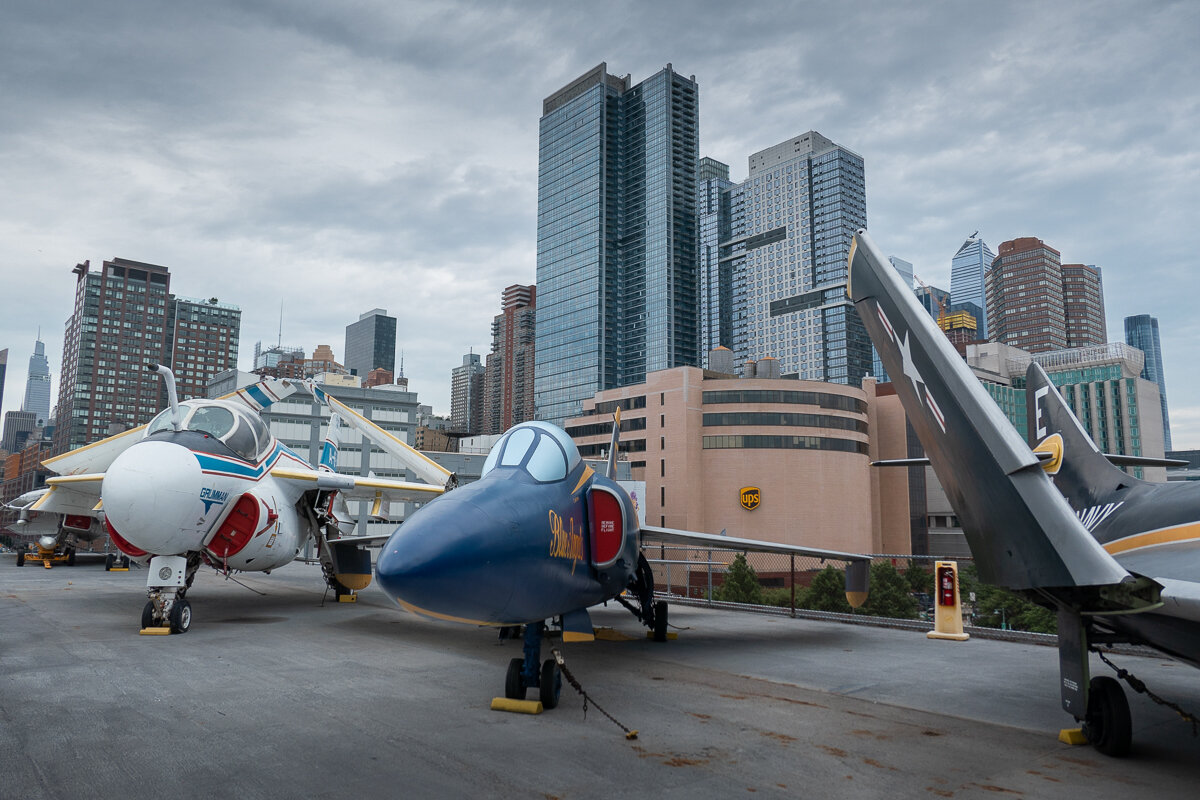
[(125, 562), (71, 557), (1108, 725), (20, 558), (180, 616), (514, 687), (148, 614), (551, 685), (110, 561), (660, 621)]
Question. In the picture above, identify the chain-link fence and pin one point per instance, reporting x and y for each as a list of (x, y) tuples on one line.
[(901, 585)]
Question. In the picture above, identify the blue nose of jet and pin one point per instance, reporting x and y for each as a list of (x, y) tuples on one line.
[(448, 560)]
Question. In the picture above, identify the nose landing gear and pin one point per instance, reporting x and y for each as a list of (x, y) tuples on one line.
[(525, 673), (167, 611)]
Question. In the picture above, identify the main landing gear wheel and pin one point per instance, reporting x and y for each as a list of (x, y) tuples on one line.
[(514, 687), (71, 557), (20, 558), (660, 621), (1107, 724), (125, 562), (551, 685), (110, 561), (180, 616), (148, 615)]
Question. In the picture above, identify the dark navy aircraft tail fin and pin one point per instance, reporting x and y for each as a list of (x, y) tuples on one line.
[(1021, 531), (610, 469), (1081, 472)]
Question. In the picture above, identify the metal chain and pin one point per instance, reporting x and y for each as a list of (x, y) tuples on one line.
[(1140, 687), (586, 699)]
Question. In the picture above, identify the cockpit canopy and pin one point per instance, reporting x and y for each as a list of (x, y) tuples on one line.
[(538, 448), (237, 427)]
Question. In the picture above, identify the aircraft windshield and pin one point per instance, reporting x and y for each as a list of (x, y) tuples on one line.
[(541, 449), (238, 428)]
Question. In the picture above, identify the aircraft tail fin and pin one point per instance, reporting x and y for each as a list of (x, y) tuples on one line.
[(610, 469), (329, 449), (1021, 531), (1080, 470)]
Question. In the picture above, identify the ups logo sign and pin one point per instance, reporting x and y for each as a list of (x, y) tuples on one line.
[(751, 497)]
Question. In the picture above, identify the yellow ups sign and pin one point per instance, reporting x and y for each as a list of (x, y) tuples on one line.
[(751, 497)]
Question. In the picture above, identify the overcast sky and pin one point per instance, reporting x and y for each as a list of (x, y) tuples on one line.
[(336, 157)]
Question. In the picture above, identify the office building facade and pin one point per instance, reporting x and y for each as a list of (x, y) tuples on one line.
[(967, 270), (1083, 305), (117, 326), (697, 439), (791, 223), (1037, 303), (508, 376), (616, 261), (371, 343), (466, 396), (125, 318), (203, 337), (1141, 331)]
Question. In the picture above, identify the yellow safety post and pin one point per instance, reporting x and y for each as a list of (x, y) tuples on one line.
[(947, 605)]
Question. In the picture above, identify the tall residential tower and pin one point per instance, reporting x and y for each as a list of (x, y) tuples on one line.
[(791, 223), (616, 249), (508, 376)]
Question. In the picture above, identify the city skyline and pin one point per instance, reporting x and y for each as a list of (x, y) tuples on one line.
[(413, 185)]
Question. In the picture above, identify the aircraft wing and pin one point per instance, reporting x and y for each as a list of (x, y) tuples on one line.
[(858, 566), (71, 495), (1021, 531), (96, 456), (425, 468), (352, 487), (652, 535)]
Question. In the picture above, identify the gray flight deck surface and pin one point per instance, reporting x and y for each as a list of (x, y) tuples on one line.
[(275, 696)]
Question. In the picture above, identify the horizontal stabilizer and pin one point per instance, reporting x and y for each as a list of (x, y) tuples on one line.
[(1021, 531)]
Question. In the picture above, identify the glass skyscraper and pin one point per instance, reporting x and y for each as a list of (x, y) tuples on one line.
[(1141, 331), (371, 343), (716, 275), (967, 267), (616, 262), (791, 223), (37, 385)]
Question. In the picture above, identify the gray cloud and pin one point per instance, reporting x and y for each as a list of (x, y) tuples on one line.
[(338, 157)]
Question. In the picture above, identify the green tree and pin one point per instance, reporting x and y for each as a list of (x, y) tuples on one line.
[(741, 583), (890, 594), (827, 592), (920, 578), (995, 606)]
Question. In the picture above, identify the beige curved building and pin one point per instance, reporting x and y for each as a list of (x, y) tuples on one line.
[(699, 438)]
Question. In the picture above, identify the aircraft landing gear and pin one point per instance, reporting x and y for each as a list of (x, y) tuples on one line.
[(525, 673), (652, 614), (1107, 725), (20, 558), (170, 578)]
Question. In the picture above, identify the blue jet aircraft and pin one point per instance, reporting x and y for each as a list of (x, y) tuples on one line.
[(542, 536)]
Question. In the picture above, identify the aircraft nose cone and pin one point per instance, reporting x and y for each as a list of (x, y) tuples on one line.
[(445, 562), (151, 496)]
